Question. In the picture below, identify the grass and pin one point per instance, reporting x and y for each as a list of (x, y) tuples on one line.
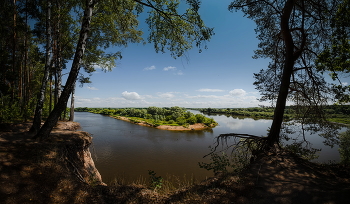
[(344, 119), (170, 183)]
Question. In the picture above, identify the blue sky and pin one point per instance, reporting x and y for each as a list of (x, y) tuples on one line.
[(221, 76)]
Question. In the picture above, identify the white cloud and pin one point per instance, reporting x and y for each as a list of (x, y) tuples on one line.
[(169, 68), (166, 95), (210, 90), (344, 83), (238, 92), (92, 88), (131, 95), (150, 68), (206, 96), (148, 96), (199, 101), (179, 73)]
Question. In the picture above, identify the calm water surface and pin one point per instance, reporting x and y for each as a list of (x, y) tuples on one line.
[(125, 150)]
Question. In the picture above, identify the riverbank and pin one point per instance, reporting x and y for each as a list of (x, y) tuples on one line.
[(196, 126), (45, 172), (54, 171)]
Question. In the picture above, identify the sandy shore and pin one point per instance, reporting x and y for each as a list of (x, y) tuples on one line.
[(196, 126)]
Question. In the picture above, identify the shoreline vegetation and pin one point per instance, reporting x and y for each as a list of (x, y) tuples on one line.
[(334, 113), (173, 118)]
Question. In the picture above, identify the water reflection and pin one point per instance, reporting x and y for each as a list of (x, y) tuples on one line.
[(130, 150)]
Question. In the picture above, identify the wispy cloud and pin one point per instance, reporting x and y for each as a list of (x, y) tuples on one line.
[(166, 95), (210, 90), (179, 73), (169, 68), (344, 83), (205, 96), (92, 88), (131, 95), (150, 68)]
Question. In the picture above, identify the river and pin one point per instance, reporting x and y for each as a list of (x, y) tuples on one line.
[(127, 151)]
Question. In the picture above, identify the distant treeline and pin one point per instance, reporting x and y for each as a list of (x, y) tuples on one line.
[(335, 113), (175, 116)]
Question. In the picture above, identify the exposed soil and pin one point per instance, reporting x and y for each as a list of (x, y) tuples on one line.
[(46, 172)]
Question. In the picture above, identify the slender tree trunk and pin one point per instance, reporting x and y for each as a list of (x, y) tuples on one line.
[(50, 93), (71, 114), (14, 46), (58, 62), (41, 97), (25, 82), (275, 129), (51, 121)]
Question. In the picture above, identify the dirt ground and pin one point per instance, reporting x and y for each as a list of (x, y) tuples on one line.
[(38, 172)]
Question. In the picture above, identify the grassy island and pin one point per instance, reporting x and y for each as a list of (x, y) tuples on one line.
[(173, 118)]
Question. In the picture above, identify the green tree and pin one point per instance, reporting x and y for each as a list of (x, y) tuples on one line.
[(21, 60), (116, 23), (192, 120), (292, 34), (48, 59), (335, 57)]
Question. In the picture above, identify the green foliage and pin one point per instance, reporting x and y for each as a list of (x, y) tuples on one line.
[(9, 110), (335, 57), (155, 116), (192, 120), (156, 182), (344, 147), (176, 32), (334, 113), (113, 23)]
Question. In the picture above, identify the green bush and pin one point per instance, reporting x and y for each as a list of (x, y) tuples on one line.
[(192, 120)]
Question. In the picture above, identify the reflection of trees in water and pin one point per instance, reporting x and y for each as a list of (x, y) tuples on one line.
[(234, 151), (294, 136), (344, 147)]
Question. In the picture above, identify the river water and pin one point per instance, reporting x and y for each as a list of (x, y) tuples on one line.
[(127, 151)]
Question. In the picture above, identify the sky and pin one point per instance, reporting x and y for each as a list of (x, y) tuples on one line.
[(219, 77)]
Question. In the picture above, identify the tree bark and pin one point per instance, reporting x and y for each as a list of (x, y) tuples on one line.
[(274, 135), (41, 96), (51, 121), (71, 114)]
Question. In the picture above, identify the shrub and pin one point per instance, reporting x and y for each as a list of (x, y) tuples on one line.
[(192, 120)]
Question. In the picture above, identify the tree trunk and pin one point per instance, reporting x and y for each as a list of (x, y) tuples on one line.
[(58, 62), (275, 129), (41, 96), (14, 43), (51, 121), (50, 91), (25, 74), (71, 114)]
